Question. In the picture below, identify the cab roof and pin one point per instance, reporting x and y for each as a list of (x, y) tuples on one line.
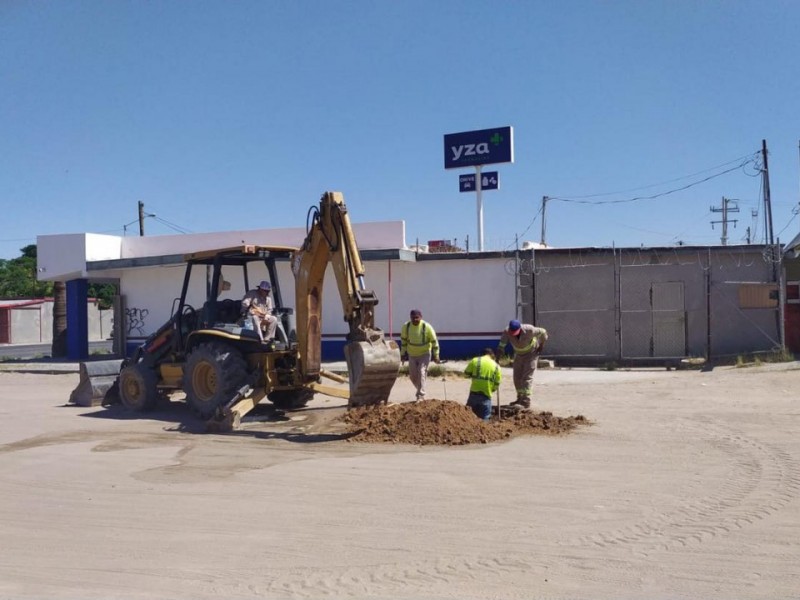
[(238, 255)]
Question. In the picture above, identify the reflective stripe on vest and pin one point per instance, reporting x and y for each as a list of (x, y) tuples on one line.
[(478, 374), (424, 331), (527, 348)]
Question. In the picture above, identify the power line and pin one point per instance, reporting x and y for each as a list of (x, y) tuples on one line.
[(172, 226), (742, 160), (578, 199), (536, 216)]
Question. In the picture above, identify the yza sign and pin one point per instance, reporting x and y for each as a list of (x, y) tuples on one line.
[(482, 147)]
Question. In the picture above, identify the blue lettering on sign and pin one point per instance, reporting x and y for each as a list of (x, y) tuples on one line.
[(482, 147)]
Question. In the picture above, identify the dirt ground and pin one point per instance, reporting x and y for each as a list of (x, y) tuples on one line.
[(675, 484)]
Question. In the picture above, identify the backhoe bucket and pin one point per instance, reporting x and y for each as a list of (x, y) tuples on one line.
[(96, 382), (373, 368)]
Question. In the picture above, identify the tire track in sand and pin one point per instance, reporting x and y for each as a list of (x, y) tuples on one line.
[(764, 479)]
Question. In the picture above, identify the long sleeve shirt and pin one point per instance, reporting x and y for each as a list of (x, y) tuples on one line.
[(530, 338), (254, 303), (418, 340)]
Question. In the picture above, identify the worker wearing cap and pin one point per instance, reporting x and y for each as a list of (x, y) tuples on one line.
[(527, 342), (418, 345), (257, 306), (486, 376)]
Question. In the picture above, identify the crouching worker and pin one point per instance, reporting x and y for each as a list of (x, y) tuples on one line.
[(258, 306), (485, 374)]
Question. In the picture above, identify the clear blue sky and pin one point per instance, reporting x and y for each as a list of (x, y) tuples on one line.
[(239, 114)]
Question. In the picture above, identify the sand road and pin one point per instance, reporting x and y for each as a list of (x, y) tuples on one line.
[(686, 486)]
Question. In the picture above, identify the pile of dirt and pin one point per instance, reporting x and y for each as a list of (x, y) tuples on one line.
[(447, 423)]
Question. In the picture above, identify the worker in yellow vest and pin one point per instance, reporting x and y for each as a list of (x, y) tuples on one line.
[(418, 345), (486, 376), (527, 341)]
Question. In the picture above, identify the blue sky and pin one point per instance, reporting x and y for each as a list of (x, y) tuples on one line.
[(238, 115)]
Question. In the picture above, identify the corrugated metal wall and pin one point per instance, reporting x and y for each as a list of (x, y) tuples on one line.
[(634, 304)]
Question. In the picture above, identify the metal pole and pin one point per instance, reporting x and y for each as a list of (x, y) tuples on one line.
[(141, 218), (781, 297), (544, 222), (724, 221), (390, 296), (479, 196), (767, 198)]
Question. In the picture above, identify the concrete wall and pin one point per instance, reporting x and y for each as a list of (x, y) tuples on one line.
[(33, 324)]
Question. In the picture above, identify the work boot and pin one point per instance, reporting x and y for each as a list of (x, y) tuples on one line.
[(522, 402)]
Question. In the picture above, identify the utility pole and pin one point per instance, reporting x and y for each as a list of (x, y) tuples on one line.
[(725, 210), (767, 201), (141, 218), (544, 223)]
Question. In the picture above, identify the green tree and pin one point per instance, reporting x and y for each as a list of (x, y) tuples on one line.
[(18, 277), (104, 292)]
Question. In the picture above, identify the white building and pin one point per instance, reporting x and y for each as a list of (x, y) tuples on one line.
[(468, 301)]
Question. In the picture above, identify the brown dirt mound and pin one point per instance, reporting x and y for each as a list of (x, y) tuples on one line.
[(448, 423)]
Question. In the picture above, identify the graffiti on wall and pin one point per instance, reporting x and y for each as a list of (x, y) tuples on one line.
[(135, 320)]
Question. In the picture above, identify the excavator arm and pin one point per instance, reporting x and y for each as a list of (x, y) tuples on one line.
[(373, 361)]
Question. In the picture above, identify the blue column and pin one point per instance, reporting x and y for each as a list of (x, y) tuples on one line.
[(77, 319)]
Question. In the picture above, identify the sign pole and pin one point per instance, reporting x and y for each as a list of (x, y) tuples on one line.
[(479, 196)]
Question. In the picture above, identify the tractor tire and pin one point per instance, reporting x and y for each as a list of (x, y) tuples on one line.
[(138, 389), (290, 399), (214, 372)]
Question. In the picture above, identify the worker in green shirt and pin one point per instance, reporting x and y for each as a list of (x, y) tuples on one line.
[(486, 376), (418, 345)]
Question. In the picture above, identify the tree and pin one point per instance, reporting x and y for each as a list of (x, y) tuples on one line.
[(59, 346), (18, 277), (104, 292)]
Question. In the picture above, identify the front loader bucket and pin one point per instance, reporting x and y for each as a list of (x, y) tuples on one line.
[(373, 368), (96, 382)]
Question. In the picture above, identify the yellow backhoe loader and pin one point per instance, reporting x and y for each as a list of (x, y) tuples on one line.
[(225, 369)]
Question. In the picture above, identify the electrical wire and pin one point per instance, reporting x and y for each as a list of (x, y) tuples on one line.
[(795, 212), (578, 199), (741, 163), (172, 226), (536, 216), (742, 160)]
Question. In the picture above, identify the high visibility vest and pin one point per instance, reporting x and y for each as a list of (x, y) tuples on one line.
[(485, 374), (419, 340)]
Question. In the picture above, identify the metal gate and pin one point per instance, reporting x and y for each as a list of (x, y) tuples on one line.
[(669, 319)]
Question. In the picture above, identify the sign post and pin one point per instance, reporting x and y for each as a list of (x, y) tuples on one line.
[(479, 196), (478, 148)]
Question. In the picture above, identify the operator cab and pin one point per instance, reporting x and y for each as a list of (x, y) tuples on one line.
[(225, 276)]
